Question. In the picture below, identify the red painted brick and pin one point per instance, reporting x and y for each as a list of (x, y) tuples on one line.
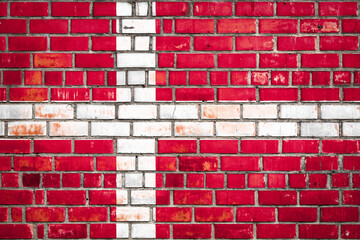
[(297, 214), (48, 26), (342, 78), (9, 180), (297, 180), (198, 163), (172, 8), (52, 60), (162, 197), (12, 77), (52, 146), (340, 146), (351, 60), (16, 214), (15, 146), (349, 231), (283, 163), (14, 60), (319, 25), (69, 43), (195, 60), (66, 197), (338, 43), (53, 78), (339, 214), (166, 163), (29, 9), (235, 197), (3, 9), (70, 94), (93, 146), (70, 9), (320, 94), (94, 60), (295, 9), (166, 60), (168, 25), (215, 180), (214, 214), (351, 94), (39, 197), (256, 180), (22, 231), (90, 26), (240, 163), (103, 43), (5, 163), (104, 94), (300, 146), (317, 180), (173, 43), (194, 94), (276, 230), (320, 60), (233, 60), (351, 163), (276, 181), (278, 94), (278, 26), (296, 43), (255, 214), (16, 197), (173, 214), (104, 230), (104, 9), (300, 78), (321, 163), (67, 231), (236, 26), (88, 214), (350, 25), (13, 26), (177, 146), (234, 231), (321, 78), (191, 231), (340, 180), (92, 180), (174, 180), (278, 61), (219, 146), (27, 43), (212, 9), (32, 163), (277, 197), (51, 180), (319, 197), (236, 94), (177, 77), (351, 197), (263, 43), (236, 180), (194, 25), (74, 163), (193, 197), (259, 146), (338, 9), (254, 9), (4, 217), (31, 180), (45, 214), (318, 231), (70, 180), (223, 43)]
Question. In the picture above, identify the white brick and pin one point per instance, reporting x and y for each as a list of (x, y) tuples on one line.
[(194, 129), (27, 128), (136, 77), (137, 112), (235, 129), (120, 78), (124, 163), (267, 111), (142, 43), (110, 129), (144, 94), (146, 163), (18, 111), (141, 8), (319, 129), (351, 129), (123, 95), (298, 111), (133, 179), (131, 214), (153, 8), (277, 129), (152, 78), (136, 145), (70, 128), (152, 129), (178, 111), (143, 231), (340, 112), (138, 26), (123, 9), (118, 180), (143, 60), (121, 196), (122, 230), (220, 111), (86, 111), (2, 128), (54, 111), (143, 197), (150, 180), (123, 43)]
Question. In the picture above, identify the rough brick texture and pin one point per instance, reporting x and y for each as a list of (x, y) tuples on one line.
[(180, 120)]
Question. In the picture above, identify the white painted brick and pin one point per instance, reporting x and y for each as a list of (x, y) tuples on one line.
[(27, 128), (110, 129), (130, 214), (138, 26), (194, 129), (18, 111), (340, 111), (298, 111), (122, 230), (121, 197), (143, 231), (144, 94), (133, 179), (123, 43), (117, 27), (142, 43), (235, 129), (70, 128), (277, 129), (123, 95), (257, 111), (86, 111), (54, 111), (152, 78), (178, 111), (150, 180), (351, 129), (142, 8), (129, 60), (120, 78), (137, 112), (123, 9), (118, 180), (125, 163), (220, 111), (153, 8), (146, 163), (143, 197), (136, 145), (319, 129), (152, 129), (2, 128), (136, 77)]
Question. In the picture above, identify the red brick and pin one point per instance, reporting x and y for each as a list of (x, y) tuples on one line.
[(259, 146), (350, 25), (173, 214), (214, 214), (236, 94), (297, 180), (222, 43), (254, 9), (22, 231), (240, 163), (109, 180), (255, 214), (233, 60), (45, 214), (103, 43), (12, 77), (236, 26), (39, 197), (74, 78), (349, 231), (339, 43), (338, 9), (9, 180), (177, 77), (197, 163), (234, 231), (195, 60), (52, 146), (177, 146), (340, 180), (104, 230), (88, 214), (174, 180), (351, 94), (166, 163), (90, 26), (236, 180), (3, 9), (95, 78), (215, 180), (27, 43), (296, 43), (104, 9), (256, 180), (5, 163), (276, 181), (71, 9), (340, 146), (52, 60), (320, 78), (94, 60), (320, 94), (319, 197), (319, 25), (70, 94), (277, 197), (16, 197), (4, 217), (235, 197), (162, 197), (48, 26), (300, 146), (194, 94), (263, 43), (320, 60), (32, 163), (339, 214), (351, 163), (69, 43), (2, 41), (297, 214), (259, 78), (51, 180), (278, 61), (351, 197), (74, 163), (351, 60), (276, 230), (295, 9), (317, 180), (31, 180), (318, 231), (53, 78), (192, 197), (14, 60), (212, 9), (191, 231), (341, 78), (70, 180), (166, 60), (283, 163), (219, 146), (300, 78), (29, 9), (321, 163), (3, 94), (15, 146), (13, 26), (173, 43), (93, 146), (171, 8), (92, 180), (194, 25), (67, 231), (66, 197), (16, 214), (356, 180), (168, 25), (278, 94), (194, 180), (104, 94), (278, 25)]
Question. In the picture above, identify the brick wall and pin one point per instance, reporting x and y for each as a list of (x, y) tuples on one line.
[(179, 119)]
